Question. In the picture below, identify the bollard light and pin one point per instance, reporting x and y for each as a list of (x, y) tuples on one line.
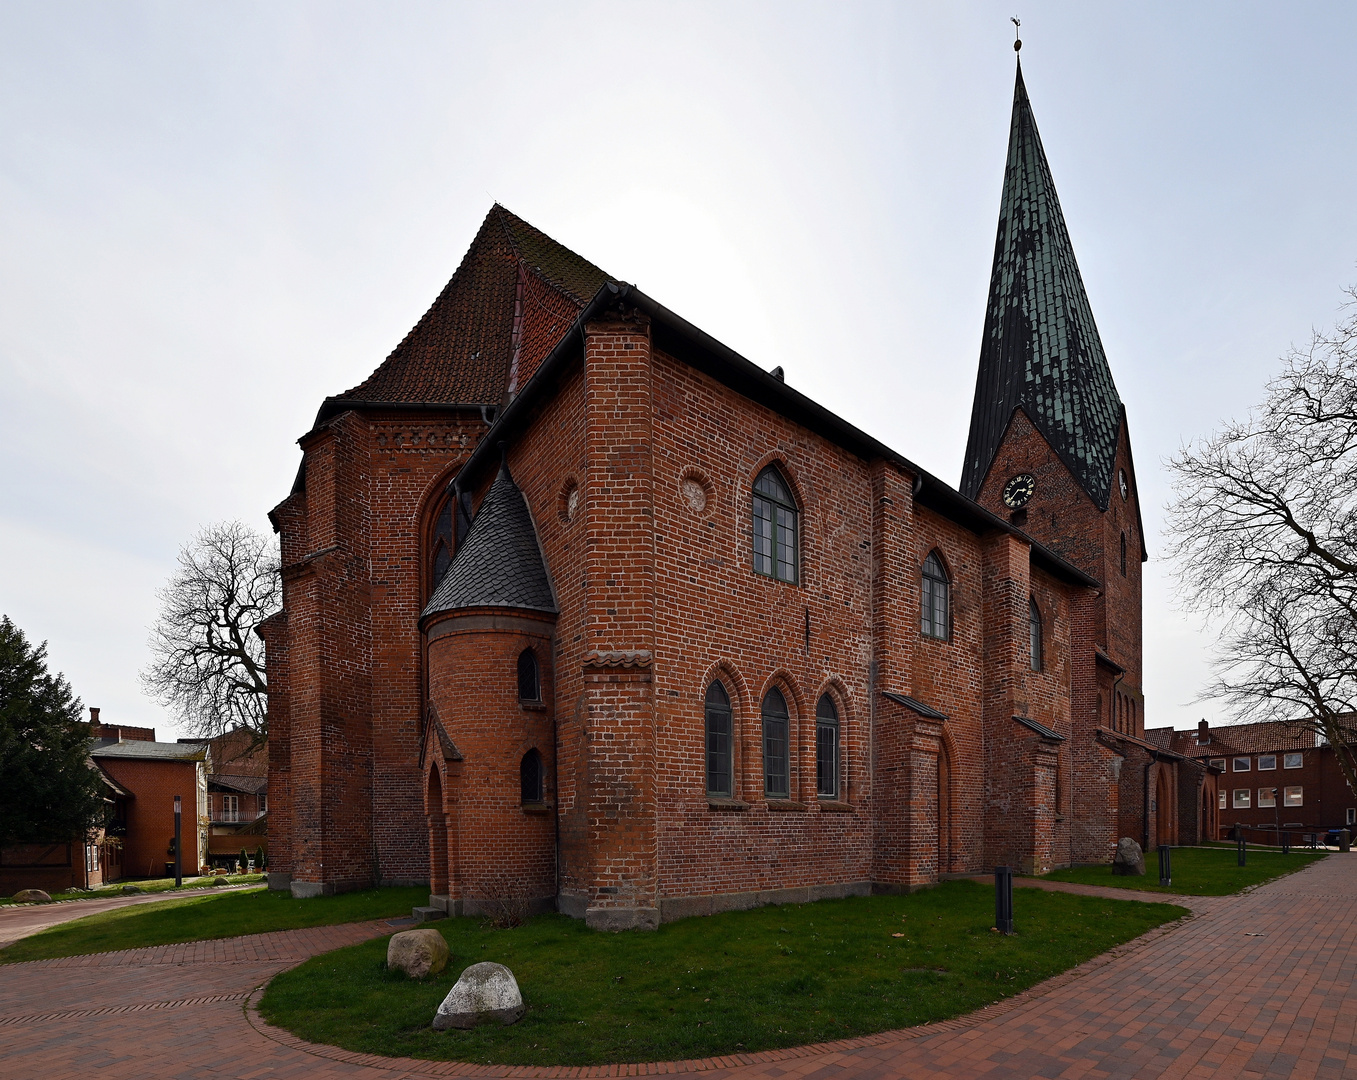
[(1165, 866), (1286, 843), (1242, 844), (1003, 899)]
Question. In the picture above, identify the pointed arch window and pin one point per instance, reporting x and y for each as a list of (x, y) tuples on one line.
[(529, 677), (530, 777), (936, 593), (440, 554), (775, 527), (776, 775), (1034, 634), (826, 748), (718, 741)]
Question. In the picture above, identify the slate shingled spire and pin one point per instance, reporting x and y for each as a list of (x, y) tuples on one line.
[(500, 562), (1041, 351)]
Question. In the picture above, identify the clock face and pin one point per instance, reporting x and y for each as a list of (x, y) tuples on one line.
[(1018, 490), (1121, 482)]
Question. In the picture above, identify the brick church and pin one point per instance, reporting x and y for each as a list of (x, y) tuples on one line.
[(583, 608)]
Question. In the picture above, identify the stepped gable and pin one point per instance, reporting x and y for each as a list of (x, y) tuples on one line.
[(1041, 351), (500, 563), (513, 281)]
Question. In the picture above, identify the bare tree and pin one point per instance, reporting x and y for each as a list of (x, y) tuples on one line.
[(1264, 522), (208, 664)]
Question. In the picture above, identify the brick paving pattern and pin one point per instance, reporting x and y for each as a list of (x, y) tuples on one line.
[(1260, 985)]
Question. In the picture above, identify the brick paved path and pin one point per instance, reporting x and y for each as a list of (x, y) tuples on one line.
[(1259, 985), (20, 920)]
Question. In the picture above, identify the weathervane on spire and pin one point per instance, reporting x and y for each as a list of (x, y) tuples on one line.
[(1017, 41)]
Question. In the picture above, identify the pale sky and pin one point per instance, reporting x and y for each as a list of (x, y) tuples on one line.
[(214, 215)]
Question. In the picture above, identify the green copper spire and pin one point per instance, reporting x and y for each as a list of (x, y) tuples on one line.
[(1041, 351)]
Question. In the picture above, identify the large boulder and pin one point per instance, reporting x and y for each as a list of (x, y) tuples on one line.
[(1129, 859), (132, 890), (31, 896), (417, 953), (486, 993)]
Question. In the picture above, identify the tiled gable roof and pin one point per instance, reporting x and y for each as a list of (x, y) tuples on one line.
[(500, 563), (1040, 351), (1262, 738), (461, 351)]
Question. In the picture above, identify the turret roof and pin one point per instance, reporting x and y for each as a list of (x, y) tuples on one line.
[(500, 562), (1041, 351)]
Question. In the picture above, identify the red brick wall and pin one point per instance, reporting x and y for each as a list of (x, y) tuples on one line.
[(150, 814)]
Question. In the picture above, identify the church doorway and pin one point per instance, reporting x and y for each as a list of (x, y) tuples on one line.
[(1163, 817), (944, 810), (438, 836)]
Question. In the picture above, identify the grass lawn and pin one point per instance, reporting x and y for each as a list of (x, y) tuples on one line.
[(208, 915), (740, 981), (1197, 871)]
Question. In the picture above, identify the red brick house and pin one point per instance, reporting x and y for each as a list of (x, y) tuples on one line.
[(1273, 776), (580, 603), (237, 796)]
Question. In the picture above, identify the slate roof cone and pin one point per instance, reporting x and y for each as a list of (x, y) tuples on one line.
[(500, 563), (1041, 351)]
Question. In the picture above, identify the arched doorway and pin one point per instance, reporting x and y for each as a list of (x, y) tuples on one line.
[(438, 836), (944, 810), (1163, 816)]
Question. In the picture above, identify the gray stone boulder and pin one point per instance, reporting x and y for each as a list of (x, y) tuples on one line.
[(417, 953), (1129, 859), (485, 994), (31, 896), (132, 889)]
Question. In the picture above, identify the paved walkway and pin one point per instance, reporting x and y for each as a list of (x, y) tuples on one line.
[(1260, 985), (20, 920)]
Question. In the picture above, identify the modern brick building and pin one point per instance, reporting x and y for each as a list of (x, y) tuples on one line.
[(1273, 777), (581, 605)]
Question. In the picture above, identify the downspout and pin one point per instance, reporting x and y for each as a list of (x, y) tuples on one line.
[(1145, 800)]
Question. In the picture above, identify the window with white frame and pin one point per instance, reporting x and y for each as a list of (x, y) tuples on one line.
[(1242, 764), (1294, 796), (263, 802), (1220, 800), (1293, 761), (1218, 763), (1267, 796), (1242, 798), (1352, 815), (1267, 761), (230, 808)]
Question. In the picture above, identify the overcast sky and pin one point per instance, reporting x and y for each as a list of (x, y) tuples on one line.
[(214, 215)]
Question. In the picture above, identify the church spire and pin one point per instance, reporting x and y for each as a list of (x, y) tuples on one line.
[(1040, 351)]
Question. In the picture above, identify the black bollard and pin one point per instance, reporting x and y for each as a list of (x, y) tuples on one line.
[(1165, 866), (1003, 899), (178, 843), (1345, 840), (1242, 844), (1286, 843)]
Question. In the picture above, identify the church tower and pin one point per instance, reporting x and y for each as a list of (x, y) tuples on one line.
[(1049, 448)]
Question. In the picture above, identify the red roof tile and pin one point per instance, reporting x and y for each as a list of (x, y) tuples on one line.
[(461, 351)]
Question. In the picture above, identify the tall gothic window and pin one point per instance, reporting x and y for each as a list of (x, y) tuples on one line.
[(529, 678), (530, 777), (441, 553), (775, 527), (776, 778), (936, 599), (826, 748), (1034, 634), (718, 741)]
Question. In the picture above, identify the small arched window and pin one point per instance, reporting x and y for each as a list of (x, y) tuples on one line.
[(1034, 634), (775, 527), (775, 722), (826, 748), (936, 599), (530, 777), (1123, 554), (718, 741), (529, 679), (440, 554)]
